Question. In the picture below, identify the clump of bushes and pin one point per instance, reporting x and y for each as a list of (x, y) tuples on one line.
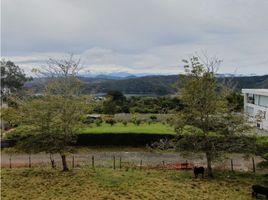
[(98, 122), (153, 118), (124, 123), (110, 121)]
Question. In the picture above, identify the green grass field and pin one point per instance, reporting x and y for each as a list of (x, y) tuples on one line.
[(155, 128), (107, 183)]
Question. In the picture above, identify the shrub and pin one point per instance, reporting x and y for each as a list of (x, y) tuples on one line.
[(98, 122), (153, 117), (138, 122), (124, 123), (110, 121)]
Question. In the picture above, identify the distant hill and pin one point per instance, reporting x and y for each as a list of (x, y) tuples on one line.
[(151, 85)]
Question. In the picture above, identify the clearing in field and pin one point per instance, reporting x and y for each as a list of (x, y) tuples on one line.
[(104, 183)]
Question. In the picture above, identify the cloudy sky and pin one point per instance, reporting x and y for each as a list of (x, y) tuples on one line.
[(136, 36)]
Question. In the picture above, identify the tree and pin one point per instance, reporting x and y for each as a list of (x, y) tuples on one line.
[(235, 101), (213, 125), (12, 78), (56, 118), (115, 102)]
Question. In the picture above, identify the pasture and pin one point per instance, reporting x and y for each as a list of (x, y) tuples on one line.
[(154, 128), (105, 183)]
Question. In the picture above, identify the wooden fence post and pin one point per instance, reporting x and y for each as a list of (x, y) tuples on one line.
[(93, 164), (114, 161), (140, 164), (253, 165), (73, 161), (30, 161), (120, 162), (232, 165), (10, 166)]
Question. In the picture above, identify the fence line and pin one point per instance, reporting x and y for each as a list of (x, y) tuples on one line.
[(76, 161)]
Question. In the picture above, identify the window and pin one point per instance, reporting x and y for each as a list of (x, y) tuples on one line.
[(250, 98), (256, 99), (263, 101)]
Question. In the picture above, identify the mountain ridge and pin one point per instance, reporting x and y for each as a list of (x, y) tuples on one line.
[(153, 84)]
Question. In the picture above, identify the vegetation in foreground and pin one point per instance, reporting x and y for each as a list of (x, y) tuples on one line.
[(104, 183), (154, 128)]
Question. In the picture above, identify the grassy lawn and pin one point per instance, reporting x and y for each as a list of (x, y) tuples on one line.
[(121, 184), (155, 128)]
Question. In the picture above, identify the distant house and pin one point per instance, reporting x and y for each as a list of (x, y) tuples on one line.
[(256, 106)]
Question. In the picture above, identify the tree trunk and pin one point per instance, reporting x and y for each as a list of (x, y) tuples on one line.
[(64, 163), (53, 165), (209, 161)]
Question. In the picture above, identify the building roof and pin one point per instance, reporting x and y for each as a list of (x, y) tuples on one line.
[(263, 92)]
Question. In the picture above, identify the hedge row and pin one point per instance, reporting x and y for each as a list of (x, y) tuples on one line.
[(123, 139), (108, 139)]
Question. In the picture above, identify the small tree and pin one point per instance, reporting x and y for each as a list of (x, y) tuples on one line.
[(206, 109), (56, 118)]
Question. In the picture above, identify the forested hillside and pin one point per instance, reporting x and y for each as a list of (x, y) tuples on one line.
[(151, 85)]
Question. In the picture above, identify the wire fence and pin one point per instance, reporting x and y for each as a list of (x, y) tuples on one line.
[(119, 160)]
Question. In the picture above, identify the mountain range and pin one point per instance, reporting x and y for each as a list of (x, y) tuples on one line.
[(148, 85)]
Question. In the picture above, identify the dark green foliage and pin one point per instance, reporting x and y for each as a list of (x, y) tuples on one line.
[(154, 104), (88, 120), (110, 121), (98, 122), (12, 77), (115, 103), (153, 117), (120, 139), (138, 122), (125, 123), (235, 102), (116, 95)]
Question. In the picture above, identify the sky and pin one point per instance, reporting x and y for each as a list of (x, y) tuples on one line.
[(136, 36)]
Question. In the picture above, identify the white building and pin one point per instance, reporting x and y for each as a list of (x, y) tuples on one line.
[(256, 106)]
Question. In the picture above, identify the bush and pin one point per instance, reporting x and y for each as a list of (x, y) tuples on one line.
[(98, 122), (110, 121), (124, 123), (120, 139), (87, 120), (138, 122), (153, 117)]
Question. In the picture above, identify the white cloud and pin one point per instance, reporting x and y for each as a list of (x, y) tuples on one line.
[(137, 36)]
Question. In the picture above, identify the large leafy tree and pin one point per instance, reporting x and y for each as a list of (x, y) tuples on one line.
[(55, 118), (207, 122)]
